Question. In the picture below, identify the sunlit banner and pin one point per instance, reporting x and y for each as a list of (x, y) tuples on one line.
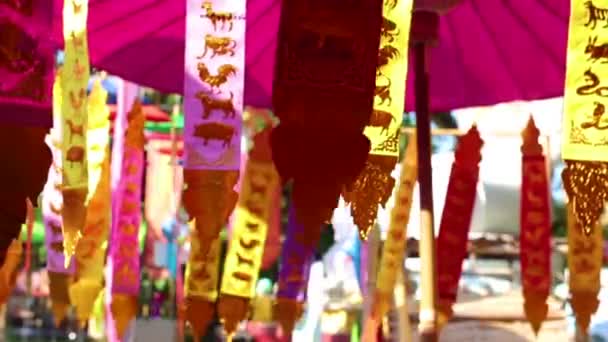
[(393, 251), (535, 226), (456, 220), (74, 83)]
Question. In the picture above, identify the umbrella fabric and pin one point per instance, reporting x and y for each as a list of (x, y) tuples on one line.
[(490, 51)]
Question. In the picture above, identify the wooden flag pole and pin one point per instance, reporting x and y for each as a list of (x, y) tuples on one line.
[(424, 30)]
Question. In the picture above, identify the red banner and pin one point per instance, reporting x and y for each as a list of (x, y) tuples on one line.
[(456, 219), (535, 238)]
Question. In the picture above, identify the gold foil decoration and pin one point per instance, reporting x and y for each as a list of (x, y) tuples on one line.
[(209, 198), (585, 254), (393, 251), (375, 184), (202, 273), (586, 184)]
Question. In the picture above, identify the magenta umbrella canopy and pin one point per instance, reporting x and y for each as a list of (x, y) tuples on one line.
[(490, 51)]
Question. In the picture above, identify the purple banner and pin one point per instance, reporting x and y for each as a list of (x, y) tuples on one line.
[(296, 259), (27, 60)]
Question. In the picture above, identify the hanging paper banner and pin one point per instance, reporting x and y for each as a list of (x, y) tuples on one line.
[(535, 226), (202, 273), (585, 90), (393, 251), (242, 265), (456, 220), (125, 239), (90, 251), (26, 62), (296, 258), (213, 84), (375, 184), (585, 259), (52, 202), (213, 106), (74, 82), (584, 142), (125, 243), (51, 212)]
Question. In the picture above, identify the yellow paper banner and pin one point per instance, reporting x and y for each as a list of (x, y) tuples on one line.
[(91, 249), (389, 96), (394, 247), (586, 92), (74, 82), (202, 271), (244, 256)]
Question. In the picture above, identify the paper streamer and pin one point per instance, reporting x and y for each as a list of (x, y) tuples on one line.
[(213, 84), (375, 184), (586, 91), (244, 258), (125, 238), (296, 258), (456, 220), (52, 200), (201, 285), (584, 142), (26, 62), (585, 254), (91, 250), (393, 251), (74, 82), (535, 225)]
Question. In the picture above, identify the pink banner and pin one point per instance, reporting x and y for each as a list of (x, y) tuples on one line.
[(213, 83), (125, 251), (26, 62), (52, 201)]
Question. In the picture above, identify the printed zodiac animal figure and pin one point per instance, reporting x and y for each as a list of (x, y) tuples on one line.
[(77, 100), (385, 55), (383, 92), (218, 17), (596, 14), (219, 46), (75, 154), (215, 131), (596, 117), (74, 129), (591, 86), (382, 119), (596, 52), (389, 29), (211, 103), (215, 81), (392, 4)]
